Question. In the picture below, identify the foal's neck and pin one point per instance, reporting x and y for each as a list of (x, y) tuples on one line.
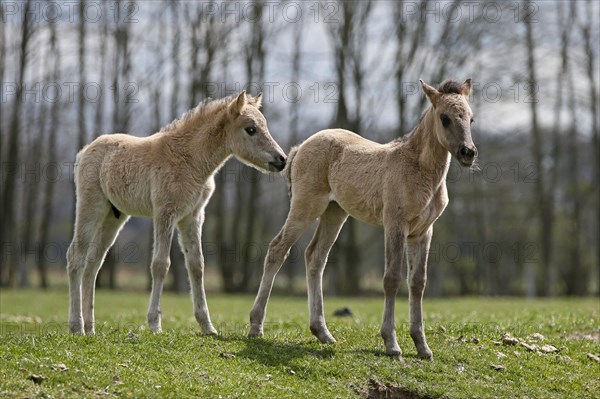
[(432, 156), (201, 141)]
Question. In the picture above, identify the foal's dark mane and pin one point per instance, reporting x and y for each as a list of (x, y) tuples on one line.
[(450, 87)]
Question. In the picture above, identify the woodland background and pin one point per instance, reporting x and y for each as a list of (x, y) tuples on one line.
[(525, 223)]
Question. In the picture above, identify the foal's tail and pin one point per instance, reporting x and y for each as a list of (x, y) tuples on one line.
[(287, 171)]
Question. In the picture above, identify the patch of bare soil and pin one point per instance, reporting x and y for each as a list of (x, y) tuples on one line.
[(377, 390)]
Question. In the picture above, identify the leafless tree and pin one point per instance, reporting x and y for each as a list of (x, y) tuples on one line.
[(9, 232), (82, 134), (103, 44), (51, 151), (576, 274), (410, 33), (561, 78), (2, 67), (591, 57), (537, 153)]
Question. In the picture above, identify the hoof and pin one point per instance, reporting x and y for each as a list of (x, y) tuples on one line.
[(394, 352), (210, 330), (323, 334), (425, 355), (255, 331), (76, 328), (327, 339)]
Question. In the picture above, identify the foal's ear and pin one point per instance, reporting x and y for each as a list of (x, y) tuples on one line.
[(256, 101), (465, 88), (430, 92), (237, 106)]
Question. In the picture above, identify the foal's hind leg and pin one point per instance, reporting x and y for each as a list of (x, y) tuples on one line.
[(103, 239), (76, 255), (163, 235), (417, 278), (300, 217), (88, 220), (190, 229), (330, 224)]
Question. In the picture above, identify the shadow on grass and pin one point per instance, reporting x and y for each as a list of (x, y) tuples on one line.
[(277, 353), (412, 356)]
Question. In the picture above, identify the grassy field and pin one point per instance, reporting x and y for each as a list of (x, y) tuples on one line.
[(39, 359)]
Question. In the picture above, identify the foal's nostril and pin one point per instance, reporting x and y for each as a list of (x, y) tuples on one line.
[(467, 152), (278, 162)]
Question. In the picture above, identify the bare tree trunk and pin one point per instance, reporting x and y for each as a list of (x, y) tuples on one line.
[(591, 56), (36, 130), (81, 99), (586, 32), (576, 281), (556, 141), (49, 186), (99, 115), (31, 204), (577, 276), (408, 42), (2, 229), (545, 239), (8, 231), (2, 67)]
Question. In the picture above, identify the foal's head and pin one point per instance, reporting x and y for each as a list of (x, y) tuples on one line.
[(248, 135), (453, 118)]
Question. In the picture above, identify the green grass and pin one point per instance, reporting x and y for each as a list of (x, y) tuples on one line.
[(125, 360)]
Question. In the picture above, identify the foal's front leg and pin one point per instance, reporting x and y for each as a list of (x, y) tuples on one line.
[(190, 230), (163, 234), (392, 277), (418, 250)]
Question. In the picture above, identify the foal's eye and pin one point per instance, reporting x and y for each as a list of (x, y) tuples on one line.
[(250, 130), (445, 120)]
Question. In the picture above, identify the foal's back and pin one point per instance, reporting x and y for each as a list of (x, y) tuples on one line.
[(343, 167)]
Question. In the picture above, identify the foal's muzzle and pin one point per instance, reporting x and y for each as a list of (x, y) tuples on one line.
[(278, 163), (466, 155)]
